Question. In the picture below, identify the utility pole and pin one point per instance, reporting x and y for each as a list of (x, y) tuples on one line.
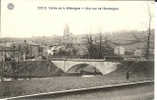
[(148, 43), (149, 34), (100, 45)]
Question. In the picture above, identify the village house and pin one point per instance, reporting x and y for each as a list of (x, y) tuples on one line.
[(119, 50)]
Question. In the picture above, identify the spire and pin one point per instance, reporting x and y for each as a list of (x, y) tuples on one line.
[(66, 29)]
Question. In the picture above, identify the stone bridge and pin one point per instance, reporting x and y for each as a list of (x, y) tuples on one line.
[(103, 66)]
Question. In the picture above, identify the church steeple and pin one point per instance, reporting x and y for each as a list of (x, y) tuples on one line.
[(66, 29), (67, 37)]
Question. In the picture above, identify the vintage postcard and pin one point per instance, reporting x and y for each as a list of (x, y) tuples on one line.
[(77, 50)]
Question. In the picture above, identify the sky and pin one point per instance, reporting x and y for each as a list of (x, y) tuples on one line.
[(27, 19)]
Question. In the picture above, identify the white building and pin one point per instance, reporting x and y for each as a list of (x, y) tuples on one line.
[(119, 50), (138, 52)]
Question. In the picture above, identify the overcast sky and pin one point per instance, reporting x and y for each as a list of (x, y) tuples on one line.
[(26, 20)]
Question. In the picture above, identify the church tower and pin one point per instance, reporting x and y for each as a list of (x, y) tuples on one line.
[(67, 37), (66, 29)]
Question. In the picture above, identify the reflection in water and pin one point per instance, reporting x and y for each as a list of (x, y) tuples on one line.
[(131, 92)]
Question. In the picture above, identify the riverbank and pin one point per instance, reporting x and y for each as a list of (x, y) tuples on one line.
[(138, 72)]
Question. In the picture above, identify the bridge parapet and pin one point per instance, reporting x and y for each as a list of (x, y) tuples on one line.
[(78, 60)]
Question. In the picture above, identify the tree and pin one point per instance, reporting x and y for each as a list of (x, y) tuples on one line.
[(93, 51), (90, 46), (98, 48)]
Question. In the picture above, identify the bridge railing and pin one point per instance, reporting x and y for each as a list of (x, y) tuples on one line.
[(86, 60), (102, 60)]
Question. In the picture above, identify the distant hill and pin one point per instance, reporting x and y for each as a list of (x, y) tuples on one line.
[(132, 40)]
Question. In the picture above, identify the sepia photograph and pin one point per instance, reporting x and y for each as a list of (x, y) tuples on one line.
[(77, 50)]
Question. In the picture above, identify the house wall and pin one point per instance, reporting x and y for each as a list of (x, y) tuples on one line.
[(119, 50)]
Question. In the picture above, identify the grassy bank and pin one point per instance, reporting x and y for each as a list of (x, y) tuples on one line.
[(30, 69)]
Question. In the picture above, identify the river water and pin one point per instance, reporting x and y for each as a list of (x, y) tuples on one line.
[(133, 92)]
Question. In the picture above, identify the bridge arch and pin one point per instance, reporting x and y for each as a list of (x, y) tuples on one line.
[(102, 66), (84, 68)]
